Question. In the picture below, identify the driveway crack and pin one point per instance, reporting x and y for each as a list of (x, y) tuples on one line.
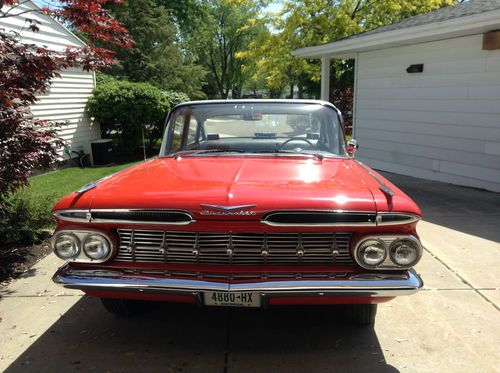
[(462, 279)]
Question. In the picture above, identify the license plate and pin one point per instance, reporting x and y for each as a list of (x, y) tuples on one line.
[(225, 299)]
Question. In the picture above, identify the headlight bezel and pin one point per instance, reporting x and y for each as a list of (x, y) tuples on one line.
[(82, 236), (389, 240)]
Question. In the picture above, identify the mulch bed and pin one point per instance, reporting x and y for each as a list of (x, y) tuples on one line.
[(14, 261)]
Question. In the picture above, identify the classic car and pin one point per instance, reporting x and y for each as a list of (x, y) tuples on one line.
[(250, 203)]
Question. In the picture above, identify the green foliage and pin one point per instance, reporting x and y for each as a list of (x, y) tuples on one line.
[(304, 23), (102, 78), (27, 213), (227, 27), (176, 98), (156, 57), (22, 220), (127, 109)]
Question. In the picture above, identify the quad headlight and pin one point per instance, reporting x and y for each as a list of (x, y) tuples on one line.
[(82, 246), (388, 252), (405, 252), (96, 247), (66, 246), (372, 252)]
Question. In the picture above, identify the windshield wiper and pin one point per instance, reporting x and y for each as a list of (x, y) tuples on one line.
[(206, 151), (285, 151), (220, 150)]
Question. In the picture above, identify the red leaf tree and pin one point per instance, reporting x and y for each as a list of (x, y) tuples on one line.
[(27, 143)]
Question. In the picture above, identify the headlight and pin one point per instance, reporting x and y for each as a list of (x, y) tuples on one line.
[(405, 252), (371, 252), (96, 247), (67, 246)]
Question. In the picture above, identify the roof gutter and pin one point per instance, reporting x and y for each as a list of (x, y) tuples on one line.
[(456, 27)]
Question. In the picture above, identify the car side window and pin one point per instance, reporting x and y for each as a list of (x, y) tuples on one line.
[(177, 134)]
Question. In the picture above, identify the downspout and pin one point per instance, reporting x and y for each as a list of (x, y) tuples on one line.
[(355, 95)]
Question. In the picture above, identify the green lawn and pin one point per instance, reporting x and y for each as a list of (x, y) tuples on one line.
[(55, 185)]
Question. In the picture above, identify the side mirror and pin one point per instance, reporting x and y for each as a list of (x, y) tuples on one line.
[(352, 146)]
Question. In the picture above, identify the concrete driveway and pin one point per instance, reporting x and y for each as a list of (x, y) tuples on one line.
[(453, 325)]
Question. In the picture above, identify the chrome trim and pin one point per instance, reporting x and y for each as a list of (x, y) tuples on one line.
[(82, 236), (58, 214), (226, 208), (382, 186), (411, 218), (256, 248), (86, 187), (273, 224), (378, 219), (370, 284), (143, 222), (89, 219), (388, 264)]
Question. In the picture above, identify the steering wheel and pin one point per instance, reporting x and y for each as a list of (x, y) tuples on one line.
[(295, 139)]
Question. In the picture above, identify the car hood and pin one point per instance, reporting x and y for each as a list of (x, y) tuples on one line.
[(269, 183)]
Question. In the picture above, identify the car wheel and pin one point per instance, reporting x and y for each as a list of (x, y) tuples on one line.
[(361, 314), (125, 307)]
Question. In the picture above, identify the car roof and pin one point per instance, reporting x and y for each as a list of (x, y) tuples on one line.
[(259, 101)]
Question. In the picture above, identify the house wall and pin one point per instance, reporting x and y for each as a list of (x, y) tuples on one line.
[(442, 124), (67, 99)]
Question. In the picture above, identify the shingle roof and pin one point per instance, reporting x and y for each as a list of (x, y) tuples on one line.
[(468, 8)]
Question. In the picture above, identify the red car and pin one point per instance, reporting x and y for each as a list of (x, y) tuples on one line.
[(251, 203)]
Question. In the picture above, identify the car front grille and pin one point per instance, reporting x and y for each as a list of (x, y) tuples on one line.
[(156, 246)]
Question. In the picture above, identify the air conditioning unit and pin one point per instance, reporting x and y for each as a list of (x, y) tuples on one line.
[(102, 152)]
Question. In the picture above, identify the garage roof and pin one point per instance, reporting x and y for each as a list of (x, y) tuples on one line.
[(472, 17)]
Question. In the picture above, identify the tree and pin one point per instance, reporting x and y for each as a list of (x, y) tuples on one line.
[(27, 143), (304, 23), (156, 57), (227, 28)]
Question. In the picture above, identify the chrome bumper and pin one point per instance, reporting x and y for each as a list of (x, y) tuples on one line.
[(369, 284)]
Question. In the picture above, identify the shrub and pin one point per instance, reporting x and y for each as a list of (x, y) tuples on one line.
[(125, 109), (23, 220), (176, 98)]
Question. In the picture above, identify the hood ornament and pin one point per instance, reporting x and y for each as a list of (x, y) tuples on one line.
[(240, 210)]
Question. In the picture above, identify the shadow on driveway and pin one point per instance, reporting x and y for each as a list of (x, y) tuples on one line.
[(184, 338), (472, 211)]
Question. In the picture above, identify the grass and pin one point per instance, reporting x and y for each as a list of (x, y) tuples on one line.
[(55, 185)]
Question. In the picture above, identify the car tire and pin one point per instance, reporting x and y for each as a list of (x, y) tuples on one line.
[(125, 307), (361, 314)]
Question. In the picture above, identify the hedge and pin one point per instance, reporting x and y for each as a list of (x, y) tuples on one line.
[(125, 109)]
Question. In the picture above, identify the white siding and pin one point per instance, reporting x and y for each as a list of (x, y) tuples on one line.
[(67, 100), (442, 124)]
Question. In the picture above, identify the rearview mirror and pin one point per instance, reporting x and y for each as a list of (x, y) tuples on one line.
[(352, 146)]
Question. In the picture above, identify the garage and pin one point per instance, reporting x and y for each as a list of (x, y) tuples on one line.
[(427, 94)]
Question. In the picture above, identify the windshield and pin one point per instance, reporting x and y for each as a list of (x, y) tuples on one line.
[(254, 127)]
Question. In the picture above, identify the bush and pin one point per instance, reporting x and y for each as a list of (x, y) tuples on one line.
[(176, 98), (125, 109), (23, 220)]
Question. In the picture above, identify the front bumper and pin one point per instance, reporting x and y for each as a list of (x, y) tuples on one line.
[(357, 285)]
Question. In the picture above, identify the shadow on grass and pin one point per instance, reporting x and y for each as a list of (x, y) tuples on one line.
[(184, 338)]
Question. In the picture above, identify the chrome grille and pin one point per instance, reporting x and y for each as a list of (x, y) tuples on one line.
[(233, 248)]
